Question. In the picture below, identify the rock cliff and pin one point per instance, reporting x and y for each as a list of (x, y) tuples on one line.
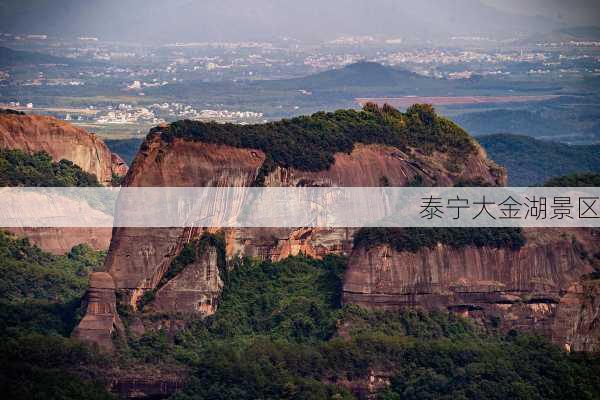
[(101, 321), (33, 133), (61, 140), (577, 322), (138, 258), (535, 288), (61, 240), (195, 289)]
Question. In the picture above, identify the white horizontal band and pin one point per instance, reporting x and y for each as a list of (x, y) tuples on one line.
[(236, 207)]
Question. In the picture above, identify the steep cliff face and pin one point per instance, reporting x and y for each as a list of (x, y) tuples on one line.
[(61, 240), (61, 140), (577, 322), (138, 258), (195, 290), (535, 288), (32, 133)]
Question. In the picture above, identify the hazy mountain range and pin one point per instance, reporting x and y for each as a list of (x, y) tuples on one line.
[(186, 20), (10, 57)]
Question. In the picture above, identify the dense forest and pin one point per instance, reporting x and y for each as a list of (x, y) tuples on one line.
[(530, 162), (40, 304), (413, 239), (575, 180), (280, 332)]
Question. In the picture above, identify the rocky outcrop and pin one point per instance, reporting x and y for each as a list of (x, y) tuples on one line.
[(61, 240), (138, 258), (195, 290), (101, 321), (577, 323), (534, 288), (33, 133)]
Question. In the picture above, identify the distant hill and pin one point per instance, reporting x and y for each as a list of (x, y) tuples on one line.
[(522, 122), (10, 57), (532, 162), (577, 34), (582, 32), (361, 74), (125, 148)]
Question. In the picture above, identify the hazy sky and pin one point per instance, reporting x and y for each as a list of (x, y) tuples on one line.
[(156, 21), (586, 12)]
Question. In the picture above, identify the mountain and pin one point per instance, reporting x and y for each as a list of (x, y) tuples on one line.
[(306, 312), (532, 162), (125, 148), (61, 140), (40, 150), (581, 33), (187, 20), (11, 58), (576, 34), (359, 75)]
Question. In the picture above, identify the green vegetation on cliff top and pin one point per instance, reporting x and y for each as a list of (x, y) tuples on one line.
[(413, 239), (310, 142), (18, 168)]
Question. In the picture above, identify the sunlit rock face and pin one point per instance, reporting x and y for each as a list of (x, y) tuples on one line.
[(138, 258), (101, 321), (537, 288), (61, 240), (61, 140)]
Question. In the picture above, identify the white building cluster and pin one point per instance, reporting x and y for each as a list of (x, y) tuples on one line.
[(128, 114), (184, 111)]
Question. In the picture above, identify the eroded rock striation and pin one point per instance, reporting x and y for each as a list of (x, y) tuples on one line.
[(61, 140), (535, 288), (194, 290), (176, 156), (101, 321), (577, 322)]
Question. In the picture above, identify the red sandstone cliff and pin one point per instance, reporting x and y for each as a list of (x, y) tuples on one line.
[(33, 133), (536, 288), (101, 321), (138, 258)]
